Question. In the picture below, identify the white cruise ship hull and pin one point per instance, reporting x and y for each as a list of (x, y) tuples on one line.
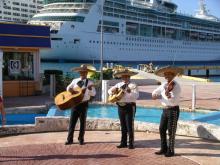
[(117, 48)]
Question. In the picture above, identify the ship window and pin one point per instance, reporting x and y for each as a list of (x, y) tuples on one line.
[(132, 28), (54, 31), (76, 41), (57, 39), (82, 1), (109, 27), (60, 18)]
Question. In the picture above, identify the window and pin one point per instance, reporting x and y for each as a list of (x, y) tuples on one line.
[(18, 66)]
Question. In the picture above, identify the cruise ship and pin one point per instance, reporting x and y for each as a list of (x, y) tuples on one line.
[(19, 11), (133, 31)]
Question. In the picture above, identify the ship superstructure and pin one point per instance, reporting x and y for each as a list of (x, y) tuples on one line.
[(133, 30)]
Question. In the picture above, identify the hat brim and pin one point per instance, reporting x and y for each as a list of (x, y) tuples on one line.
[(120, 74), (80, 69), (175, 70)]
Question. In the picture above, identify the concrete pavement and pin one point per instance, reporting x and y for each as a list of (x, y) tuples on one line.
[(100, 148)]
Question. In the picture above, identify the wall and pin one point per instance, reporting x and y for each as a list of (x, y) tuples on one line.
[(19, 88), (58, 123), (1, 60)]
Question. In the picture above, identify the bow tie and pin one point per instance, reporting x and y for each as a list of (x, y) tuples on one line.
[(124, 86)]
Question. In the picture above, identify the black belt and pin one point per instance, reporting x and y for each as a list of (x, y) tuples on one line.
[(125, 103), (171, 107)]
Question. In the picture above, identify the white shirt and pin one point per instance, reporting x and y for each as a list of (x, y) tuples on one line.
[(127, 97), (175, 94), (88, 92)]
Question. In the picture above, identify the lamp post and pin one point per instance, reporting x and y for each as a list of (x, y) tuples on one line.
[(101, 41)]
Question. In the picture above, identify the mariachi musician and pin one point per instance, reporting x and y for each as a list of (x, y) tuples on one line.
[(126, 105), (170, 93), (80, 111)]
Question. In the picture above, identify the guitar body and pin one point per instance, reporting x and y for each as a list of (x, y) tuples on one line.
[(116, 97), (66, 100)]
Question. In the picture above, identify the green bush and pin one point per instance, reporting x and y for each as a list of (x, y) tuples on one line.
[(107, 75), (61, 80)]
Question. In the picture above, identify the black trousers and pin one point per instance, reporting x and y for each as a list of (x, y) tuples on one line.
[(78, 112), (168, 122), (126, 115)]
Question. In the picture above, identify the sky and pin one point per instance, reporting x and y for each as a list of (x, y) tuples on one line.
[(190, 6)]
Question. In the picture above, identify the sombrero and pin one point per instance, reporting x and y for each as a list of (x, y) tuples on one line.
[(175, 70), (84, 68), (122, 72)]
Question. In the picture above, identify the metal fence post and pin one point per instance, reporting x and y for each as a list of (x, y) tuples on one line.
[(193, 96)]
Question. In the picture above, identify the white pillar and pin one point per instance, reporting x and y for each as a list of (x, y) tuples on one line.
[(36, 58), (105, 91), (1, 67), (193, 96)]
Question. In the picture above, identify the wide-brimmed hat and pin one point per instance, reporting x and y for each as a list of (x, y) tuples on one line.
[(122, 72), (175, 70), (84, 68)]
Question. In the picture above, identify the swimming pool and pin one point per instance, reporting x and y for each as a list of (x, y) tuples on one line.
[(151, 115), (13, 119)]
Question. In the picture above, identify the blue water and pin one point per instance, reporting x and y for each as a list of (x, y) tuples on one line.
[(212, 118), (151, 115), (12, 119), (215, 78)]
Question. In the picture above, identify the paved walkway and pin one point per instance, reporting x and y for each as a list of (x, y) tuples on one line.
[(100, 148), (48, 148)]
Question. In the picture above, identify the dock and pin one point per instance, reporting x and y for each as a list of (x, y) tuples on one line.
[(197, 70), (211, 70)]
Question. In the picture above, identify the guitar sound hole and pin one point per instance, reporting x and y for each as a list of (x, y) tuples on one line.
[(75, 92)]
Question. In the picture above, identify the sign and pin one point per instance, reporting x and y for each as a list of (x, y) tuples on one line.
[(14, 66)]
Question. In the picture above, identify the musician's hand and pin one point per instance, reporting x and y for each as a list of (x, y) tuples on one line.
[(90, 87), (168, 95), (71, 90), (114, 90), (84, 90), (128, 90)]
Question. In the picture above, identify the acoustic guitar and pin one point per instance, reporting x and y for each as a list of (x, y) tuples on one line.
[(116, 96), (66, 99), (119, 93)]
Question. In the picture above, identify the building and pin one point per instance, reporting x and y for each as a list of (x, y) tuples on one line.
[(19, 10), (20, 59)]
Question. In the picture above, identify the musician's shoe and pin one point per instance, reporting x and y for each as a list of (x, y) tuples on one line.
[(81, 142), (122, 146), (131, 146), (68, 142), (169, 154), (161, 152)]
